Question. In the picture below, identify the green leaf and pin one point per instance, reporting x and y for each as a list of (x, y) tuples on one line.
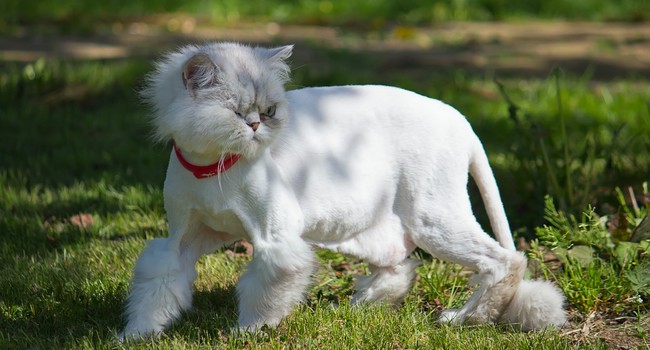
[(582, 254), (625, 252), (640, 279), (644, 246)]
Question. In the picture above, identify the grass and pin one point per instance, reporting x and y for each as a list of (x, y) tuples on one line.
[(76, 150)]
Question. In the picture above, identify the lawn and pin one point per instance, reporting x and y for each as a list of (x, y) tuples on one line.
[(81, 191)]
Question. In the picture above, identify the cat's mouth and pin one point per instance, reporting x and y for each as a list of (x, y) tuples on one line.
[(250, 145), (257, 137)]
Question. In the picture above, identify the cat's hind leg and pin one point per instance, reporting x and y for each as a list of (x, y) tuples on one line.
[(386, 284), (501, 295), (500, 270)]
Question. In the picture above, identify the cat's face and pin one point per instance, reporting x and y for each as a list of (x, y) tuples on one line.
[(220, 98)]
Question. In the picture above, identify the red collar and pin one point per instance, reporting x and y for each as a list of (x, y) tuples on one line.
[(203, 171)]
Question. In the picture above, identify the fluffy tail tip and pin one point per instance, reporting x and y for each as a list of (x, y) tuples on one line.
[(536, 305)]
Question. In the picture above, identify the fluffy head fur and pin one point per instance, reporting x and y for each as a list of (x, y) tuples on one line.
[(220, 98)]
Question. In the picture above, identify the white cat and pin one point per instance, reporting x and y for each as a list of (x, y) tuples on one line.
[(369, 171)]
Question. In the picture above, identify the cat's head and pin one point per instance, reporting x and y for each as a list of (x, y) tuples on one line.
[(220, 98)]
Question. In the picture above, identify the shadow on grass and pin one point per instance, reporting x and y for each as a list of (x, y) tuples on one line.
[(51, 315), (71, 310), (213, 313)]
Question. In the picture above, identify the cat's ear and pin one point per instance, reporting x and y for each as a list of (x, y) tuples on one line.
[(280, 53), (276, 58), (199, 72)]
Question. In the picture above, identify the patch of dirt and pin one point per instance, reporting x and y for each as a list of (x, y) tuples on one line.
[(624, 332), (608, 50), (240, 248)]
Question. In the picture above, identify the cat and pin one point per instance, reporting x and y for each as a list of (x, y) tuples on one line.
[(368, 171)]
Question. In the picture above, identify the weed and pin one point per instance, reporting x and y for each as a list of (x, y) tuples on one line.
[(597, 271)]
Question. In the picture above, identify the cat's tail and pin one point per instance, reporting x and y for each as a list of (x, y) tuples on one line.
[(535, 304), (482, 173)]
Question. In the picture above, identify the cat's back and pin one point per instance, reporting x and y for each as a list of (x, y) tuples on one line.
[(387, 110), (376, 102), (379, 123)]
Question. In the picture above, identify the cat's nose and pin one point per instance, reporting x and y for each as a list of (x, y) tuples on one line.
[(254, 125), (253, 120)]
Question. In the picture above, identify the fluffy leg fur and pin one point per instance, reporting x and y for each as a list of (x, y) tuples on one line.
[(162, 281), (275, 281), (529, 305), (462, 241), (493, 295), (160, 290), (386, 284), (536, 305)]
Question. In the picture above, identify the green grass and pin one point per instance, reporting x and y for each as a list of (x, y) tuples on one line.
[(76, 141)]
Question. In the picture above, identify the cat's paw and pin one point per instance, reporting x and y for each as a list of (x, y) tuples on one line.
[(450, 316)]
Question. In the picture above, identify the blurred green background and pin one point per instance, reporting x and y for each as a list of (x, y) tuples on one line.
[(363, 12)]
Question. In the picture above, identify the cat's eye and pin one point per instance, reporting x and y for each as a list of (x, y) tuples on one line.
[(270, 112), (238, 114)]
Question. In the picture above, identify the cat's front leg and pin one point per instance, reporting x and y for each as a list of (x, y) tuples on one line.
[(275, 281), (159, 290), (278, 276), (161, 287)]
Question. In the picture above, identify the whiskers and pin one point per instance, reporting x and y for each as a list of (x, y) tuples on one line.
[(232, 147), (248, 146)]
